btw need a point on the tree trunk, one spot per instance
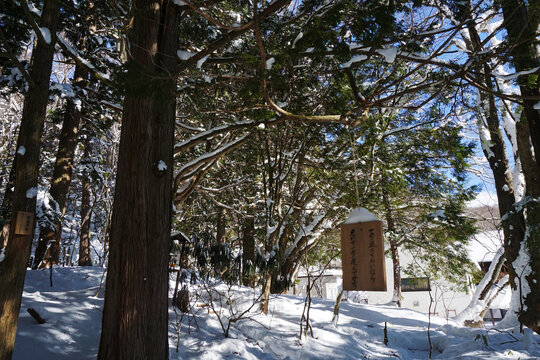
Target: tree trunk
(62, 173)
(220, 227)
(396, 272)
(484, 294)
(248, 252)
(135, 313)
(6, 205)
(86, 214)
(13, 268)
(396, 266)
(531, 172)
(266, 294)
(495, 152)
(521, 23)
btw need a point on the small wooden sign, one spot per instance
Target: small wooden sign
(25, 223)
(362, 255)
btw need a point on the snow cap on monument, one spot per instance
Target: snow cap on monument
(359, 215)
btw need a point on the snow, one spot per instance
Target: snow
(355, 59)
(33, 9)
(297, 38)
(269, 63)
(76, 54)
(66, 90)
(73, 313)
(46, 33)
(31, 193)
(477, 305)
(360, 214)
(483, 132)
(184, 55)
(483, 246)
(179, 2)
(484, 198)
(389, 54)
(201, 62)
(162, 166)
(515, 75)
(21, 150)
(536, 106)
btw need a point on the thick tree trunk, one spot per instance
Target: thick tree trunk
(62, 173)
(86, 214)
(530, 316)
(13, 268)
(135, 312)
(521, 22)
(495, 152)
(248, 252)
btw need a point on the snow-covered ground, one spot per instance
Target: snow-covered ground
(73, 313)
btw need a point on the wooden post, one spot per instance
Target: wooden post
(362, 252)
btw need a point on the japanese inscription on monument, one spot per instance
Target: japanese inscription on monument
(362, 252)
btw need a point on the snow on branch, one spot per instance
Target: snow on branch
(211, 155)
(209, 134)
(74, 54)
(308, 234)
(41, 35)
(232, 34)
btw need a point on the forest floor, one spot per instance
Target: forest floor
(72, 310)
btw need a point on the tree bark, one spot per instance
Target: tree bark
(13, 268)
(531, 172)
(86, 214)
(396, 266)
(495, 152)
(6, 205)
(220, 227)
(521, 23)
(62, 173)
(135, 313)
(248, 251)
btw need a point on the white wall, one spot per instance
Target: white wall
(446, 301)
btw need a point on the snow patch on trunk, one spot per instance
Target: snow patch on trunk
(31, 193)
(46, 33)
(523, 269)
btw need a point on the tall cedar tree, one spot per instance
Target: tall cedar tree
(135, 311)
(13, 268)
